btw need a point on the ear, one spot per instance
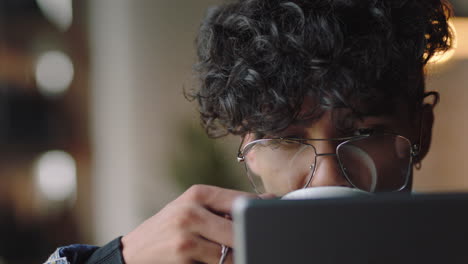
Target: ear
(247, 138)
(425, 131)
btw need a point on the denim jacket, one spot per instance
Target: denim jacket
(85, 254)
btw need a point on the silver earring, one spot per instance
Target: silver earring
(417, 165)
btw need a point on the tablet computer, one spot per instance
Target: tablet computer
(391, 228)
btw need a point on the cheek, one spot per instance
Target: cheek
(280, 176)
(265, 165)
(402, 148)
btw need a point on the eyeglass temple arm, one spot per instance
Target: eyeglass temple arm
(240, 157)
(416, 148)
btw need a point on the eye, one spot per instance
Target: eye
(364, 131)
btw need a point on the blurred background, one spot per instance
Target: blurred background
(95, 132)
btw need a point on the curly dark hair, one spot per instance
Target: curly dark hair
(259, 59)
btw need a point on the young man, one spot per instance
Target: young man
(322, 93)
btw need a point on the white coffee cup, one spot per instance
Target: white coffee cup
(324, 192)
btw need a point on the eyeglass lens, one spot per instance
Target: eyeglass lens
(279, 166)
(375, 164)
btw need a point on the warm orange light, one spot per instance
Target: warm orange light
(443, 57)
(459, 48)
(461, 25)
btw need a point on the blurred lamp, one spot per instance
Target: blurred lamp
(443, 57)
(461, 37)
(55, 175)
(58, 12)
(54, 73)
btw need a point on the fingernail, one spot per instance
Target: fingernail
(265, 196)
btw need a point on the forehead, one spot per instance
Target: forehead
(343, 121)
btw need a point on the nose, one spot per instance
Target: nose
(328, 172)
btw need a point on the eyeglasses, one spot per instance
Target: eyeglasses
(372, 163)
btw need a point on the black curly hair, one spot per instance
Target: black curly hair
(259, 59)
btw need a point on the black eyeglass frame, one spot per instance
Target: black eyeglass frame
(414, 152)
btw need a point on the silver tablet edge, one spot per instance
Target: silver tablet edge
(238, 212)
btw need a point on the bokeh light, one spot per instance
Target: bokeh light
(55, 175)
(59, 12)
(443, 57)
(54, 73)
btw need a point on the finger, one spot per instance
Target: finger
(207, 251)
(214, 227)
(196, 219)
(266, 196)
(215, 198)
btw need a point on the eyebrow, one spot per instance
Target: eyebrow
(298, 128)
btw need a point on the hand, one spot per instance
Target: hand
(189, 229)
